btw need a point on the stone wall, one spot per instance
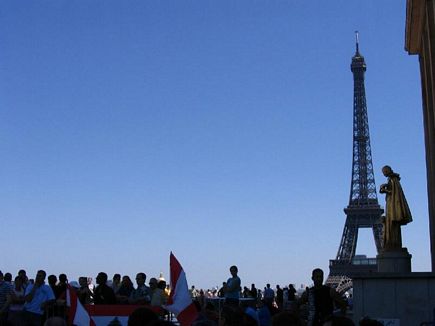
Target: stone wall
(408, 297)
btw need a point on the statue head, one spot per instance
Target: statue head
(387, 170)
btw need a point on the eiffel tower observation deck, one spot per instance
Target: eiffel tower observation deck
(363, 210)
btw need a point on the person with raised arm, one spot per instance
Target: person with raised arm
(38, 296)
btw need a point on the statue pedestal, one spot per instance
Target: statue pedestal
(394, 298)
(394, 295)
(394, 261)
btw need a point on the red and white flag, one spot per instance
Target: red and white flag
(77, 313)
(99, 315)
(179, 302)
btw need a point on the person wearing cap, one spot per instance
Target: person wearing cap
(6, 291)
(37, 297)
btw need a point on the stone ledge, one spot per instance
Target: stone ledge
(412, 275)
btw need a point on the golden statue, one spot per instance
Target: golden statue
(397, 212)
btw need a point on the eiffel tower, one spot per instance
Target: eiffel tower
(363, 210)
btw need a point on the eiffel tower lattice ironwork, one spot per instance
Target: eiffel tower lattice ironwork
(363, 210)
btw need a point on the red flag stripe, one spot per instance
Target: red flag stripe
(175, 267)
(188, 315)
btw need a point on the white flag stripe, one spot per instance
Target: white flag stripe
(81, 317)
(181, 296)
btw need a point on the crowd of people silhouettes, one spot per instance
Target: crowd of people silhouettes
(32, 302)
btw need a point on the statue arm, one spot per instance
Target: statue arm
(385, 189)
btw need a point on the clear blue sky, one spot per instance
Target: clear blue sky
(220, 130)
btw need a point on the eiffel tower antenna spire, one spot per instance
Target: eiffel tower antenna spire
(357, 42)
